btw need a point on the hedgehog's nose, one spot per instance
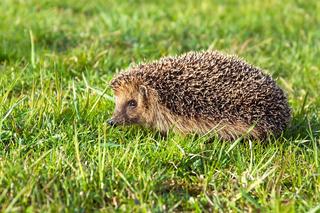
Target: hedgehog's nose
(111, 122)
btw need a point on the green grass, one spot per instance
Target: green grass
(58, 154)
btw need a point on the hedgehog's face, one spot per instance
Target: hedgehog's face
(130, 106)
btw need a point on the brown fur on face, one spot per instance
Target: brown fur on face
(128, 113)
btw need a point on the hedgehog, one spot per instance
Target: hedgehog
(205, 92)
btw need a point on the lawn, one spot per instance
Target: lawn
(57, 153)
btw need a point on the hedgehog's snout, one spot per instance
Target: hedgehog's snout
(111, 122)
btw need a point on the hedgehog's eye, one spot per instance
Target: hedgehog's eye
(132, 103)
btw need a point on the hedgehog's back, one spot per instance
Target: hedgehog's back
(214, 86)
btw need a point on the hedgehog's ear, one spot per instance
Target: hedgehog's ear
(143, 91)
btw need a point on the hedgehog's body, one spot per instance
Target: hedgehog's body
(201, 92)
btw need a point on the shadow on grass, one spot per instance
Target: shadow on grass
(303, 126)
